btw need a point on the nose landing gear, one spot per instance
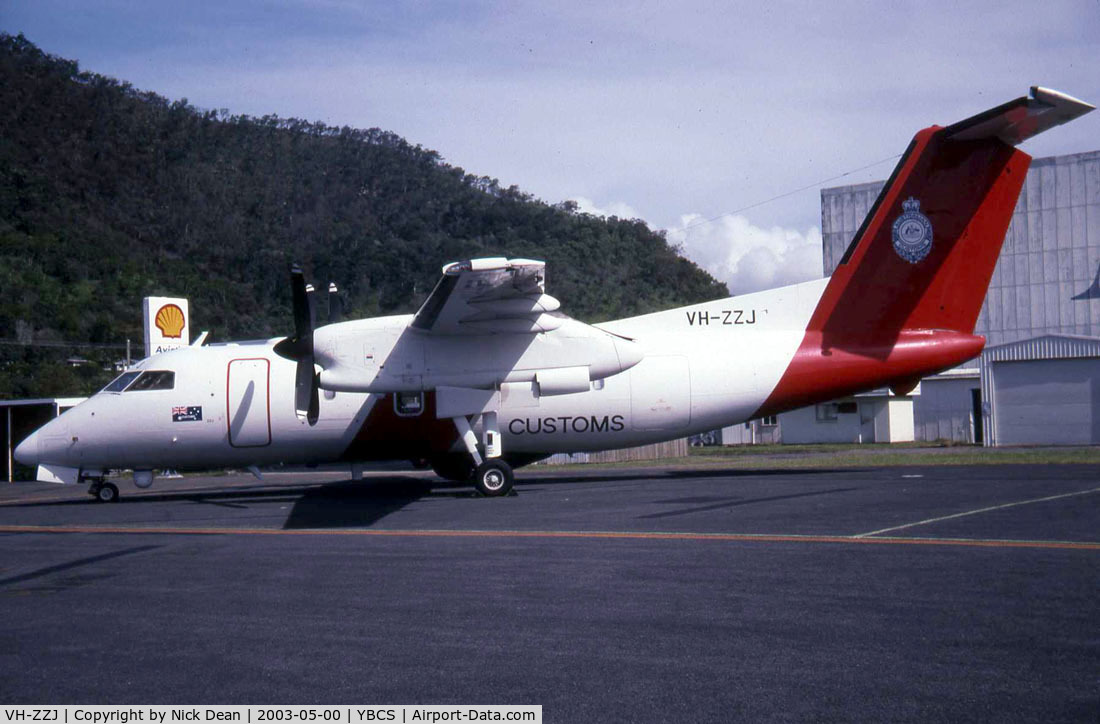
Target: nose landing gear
(102, 491)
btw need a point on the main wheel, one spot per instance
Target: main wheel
(107, 493)
(453, 467)
(493, 478)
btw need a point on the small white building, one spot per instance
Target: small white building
(761, 431)
(876, 416)
(950, 407)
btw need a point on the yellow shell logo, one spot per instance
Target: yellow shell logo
(169, 321)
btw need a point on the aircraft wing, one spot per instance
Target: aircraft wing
(490, 296)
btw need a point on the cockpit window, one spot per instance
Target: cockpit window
(153, 380)
(138, 380)
(119, 383)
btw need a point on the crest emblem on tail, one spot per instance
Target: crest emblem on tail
(912, 232)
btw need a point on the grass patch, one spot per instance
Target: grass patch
(780, 457)
(889, 455)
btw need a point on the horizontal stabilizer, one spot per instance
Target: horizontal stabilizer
(1016, 121)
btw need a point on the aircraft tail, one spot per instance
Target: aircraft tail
(906, 295)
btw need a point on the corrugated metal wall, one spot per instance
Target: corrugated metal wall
(944, 409)
(1042, 391)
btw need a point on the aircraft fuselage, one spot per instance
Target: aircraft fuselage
(233, 404)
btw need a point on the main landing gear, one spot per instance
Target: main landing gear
(491, 476)
(494, 477)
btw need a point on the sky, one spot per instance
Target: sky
(694, 116)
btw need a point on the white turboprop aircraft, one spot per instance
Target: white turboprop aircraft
(489, 374)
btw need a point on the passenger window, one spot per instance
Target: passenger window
(154, 380)
(119, 383)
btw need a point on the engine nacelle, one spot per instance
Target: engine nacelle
(380, 356)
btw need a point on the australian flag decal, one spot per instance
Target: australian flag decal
(187, 414)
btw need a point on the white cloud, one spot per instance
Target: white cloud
(746, 257)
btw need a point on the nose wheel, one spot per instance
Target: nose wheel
(104, 492)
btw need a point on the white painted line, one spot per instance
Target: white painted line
(976, 512)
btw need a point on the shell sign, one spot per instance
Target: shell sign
(170, 321)
(167, 325)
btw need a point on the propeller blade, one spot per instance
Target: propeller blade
(311, 295)
(307, 401)
(314, 402)
(301, 344)
(303, 325)
(335, 304)
(303, 386)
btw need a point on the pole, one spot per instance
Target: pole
(11, 462)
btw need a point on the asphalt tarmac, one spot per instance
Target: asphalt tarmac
(889, 594)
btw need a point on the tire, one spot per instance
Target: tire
(453, 467)
(494, 478)
(107, 493)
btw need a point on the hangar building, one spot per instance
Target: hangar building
(1038, 380)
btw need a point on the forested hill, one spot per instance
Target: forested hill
(109, 194)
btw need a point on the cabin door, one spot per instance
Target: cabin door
(248, 405)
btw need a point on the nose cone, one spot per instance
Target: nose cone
(50, 444)
(26, 452)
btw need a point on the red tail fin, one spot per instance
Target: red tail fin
(926, 251)
(905, 297)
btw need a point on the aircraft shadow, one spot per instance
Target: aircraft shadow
(705, 504)
(361, 504)
(238, 496)
(352, 504)
(349, 504)
(213, 496)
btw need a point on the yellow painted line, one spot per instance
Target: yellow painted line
(558, 534)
